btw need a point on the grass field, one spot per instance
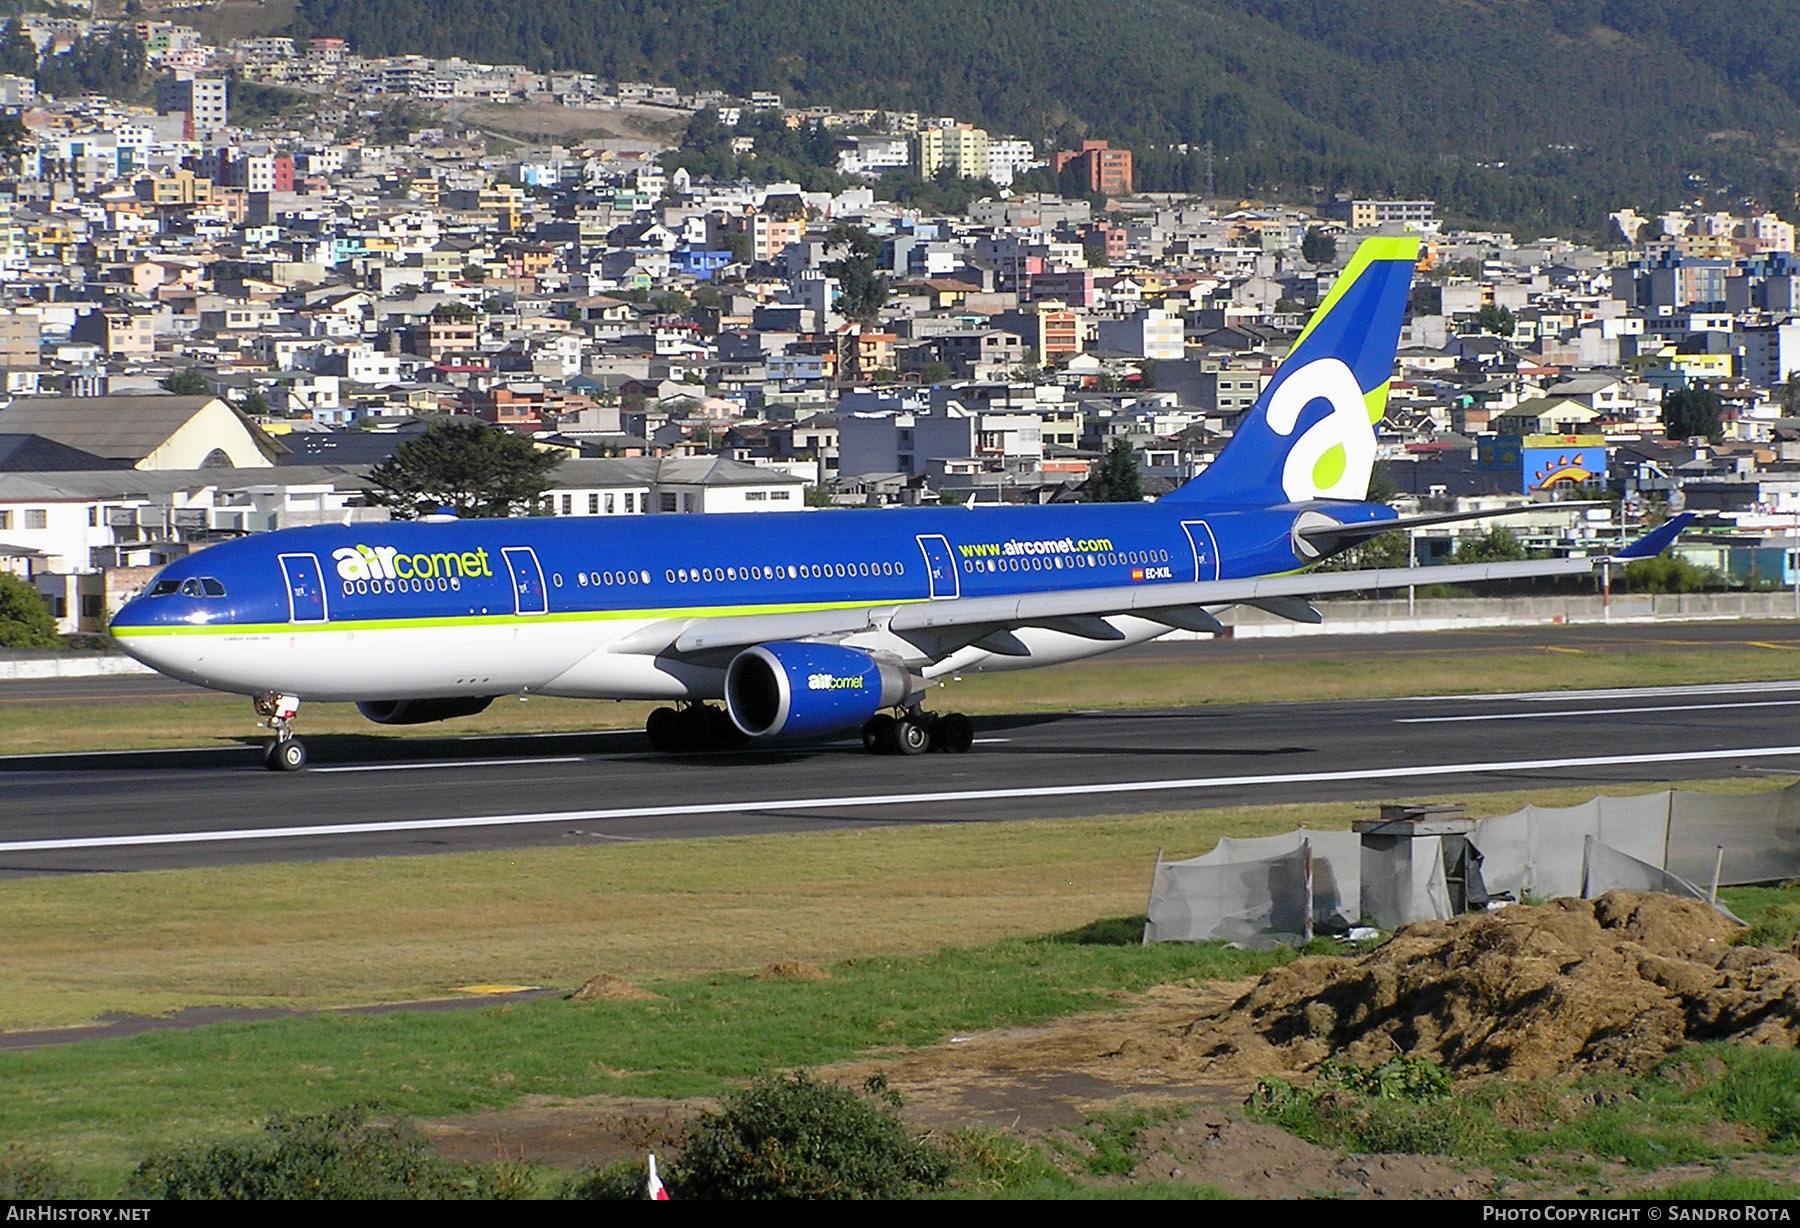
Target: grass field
(46, 726)
(341, 933)
(928, 929)
(98, 1107)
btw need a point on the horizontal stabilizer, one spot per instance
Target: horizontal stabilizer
(1658, 539)
(1329, 538)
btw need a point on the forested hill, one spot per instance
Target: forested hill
(1541, 113)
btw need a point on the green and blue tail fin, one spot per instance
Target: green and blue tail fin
(1311, 435)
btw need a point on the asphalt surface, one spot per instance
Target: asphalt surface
(370, 797)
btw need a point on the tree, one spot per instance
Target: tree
(1492, 318)
(1688, 413)
(14, 139)
(255, 404)
(474, 469)
(188, 383)
(1317, 247)
(18, 54)
(1116, 480)
(863, 290)
(25, 621)
(1494, 546)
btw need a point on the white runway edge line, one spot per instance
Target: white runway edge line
(888, 799)
(1625, 692)
(1550, 716)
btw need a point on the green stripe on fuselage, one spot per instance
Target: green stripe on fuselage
(506, 619)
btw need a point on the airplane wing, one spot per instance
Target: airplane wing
(940, 627)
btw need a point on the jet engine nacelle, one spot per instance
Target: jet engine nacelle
(420, 711)
(797, 690)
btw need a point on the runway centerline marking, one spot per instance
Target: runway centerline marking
(1547, 716)
(874, 801)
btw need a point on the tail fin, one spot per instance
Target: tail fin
(1311, 434)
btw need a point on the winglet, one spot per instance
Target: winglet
(1657, 540)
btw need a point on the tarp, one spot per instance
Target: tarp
(1337, 872)
(1608, 869)
(1536, 852)
(1257, 903)
(1760, 833)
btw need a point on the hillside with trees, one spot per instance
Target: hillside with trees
(1544, 114)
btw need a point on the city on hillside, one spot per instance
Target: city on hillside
(234, 278)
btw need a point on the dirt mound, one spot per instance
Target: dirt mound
(1613, 983)
(793, 970)
(609, 988)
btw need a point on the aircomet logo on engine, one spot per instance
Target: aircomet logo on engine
(831, 682)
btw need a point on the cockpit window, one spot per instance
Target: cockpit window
(190, 588)
(212, 587)
(163, 588)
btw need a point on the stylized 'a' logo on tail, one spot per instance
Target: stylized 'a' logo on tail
(1311, 434)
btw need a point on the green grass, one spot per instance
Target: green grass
(1201, 674)
(1682, 1112)
(98, 1106)
(1724, 1188)
(340, 933)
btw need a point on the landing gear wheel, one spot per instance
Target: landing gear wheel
(662, 729)
(878, 734)
(912, 736)
(286, 755)
(721, 731)
(691, 728)
(955, 733)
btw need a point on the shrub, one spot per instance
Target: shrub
(330, 1155)
(27, 1177)
(790, 1136)
(25, 621)
(620, 1181)
(1404, 1105)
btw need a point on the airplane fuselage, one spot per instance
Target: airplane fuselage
(379, 611)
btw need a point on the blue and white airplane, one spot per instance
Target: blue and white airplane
(810, 623)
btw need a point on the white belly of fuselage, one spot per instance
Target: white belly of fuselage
(426, 662)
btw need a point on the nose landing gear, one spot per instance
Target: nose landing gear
(283, 752)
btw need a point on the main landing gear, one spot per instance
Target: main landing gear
(916, 732)
(693, 726)
(283, 752)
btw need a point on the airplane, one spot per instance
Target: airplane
(811, 624)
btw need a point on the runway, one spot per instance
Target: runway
(164, 809)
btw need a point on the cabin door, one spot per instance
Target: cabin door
(1206, 550)
(527, 580)
(306, 588)
(940, 567)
